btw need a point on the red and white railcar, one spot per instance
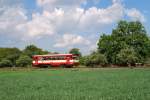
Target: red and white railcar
(55, 60)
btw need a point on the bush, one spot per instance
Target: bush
(6, 63)
(94, 59)
(127, 57)
(87, 61)
(82, 60)
(98, 59)
(24, 61)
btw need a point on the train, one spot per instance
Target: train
(55, 60)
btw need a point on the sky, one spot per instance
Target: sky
(59, 25)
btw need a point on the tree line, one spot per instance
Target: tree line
(14, 57)
(127, 45)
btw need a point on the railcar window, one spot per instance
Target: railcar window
(76, 57)
(52, 58)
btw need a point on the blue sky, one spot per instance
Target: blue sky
(59, 25)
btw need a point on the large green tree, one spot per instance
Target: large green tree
(31, 50)
(127, 34)
(11, 54)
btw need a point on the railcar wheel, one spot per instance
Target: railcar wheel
(69, 66)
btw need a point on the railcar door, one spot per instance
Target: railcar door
(67, 60)
(36, 60)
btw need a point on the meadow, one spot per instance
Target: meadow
(75, 84)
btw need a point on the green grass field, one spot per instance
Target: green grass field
(75, 84)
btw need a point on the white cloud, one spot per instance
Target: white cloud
(81, 19)
(135, 14)
(74, 20)
(95, 18)
(60, 20)
(71, 39)
(58, 2)
(39, 25)
(10, 18)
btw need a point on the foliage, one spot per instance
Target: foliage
(85, 60)
(75, 51)
(127, 57)
(33, 50)
(6, 63)
(23, 61)
(97, 59)
(11, 54)
(127, 34)
(147, 61)
(94, 59)
(82, 60)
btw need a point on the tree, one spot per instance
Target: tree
(108, 47)
(127, 34)
(6, 63)
(24, 61)
(75, 51)
(33, 50)
(11, 54)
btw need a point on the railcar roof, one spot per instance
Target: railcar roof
(53, 55)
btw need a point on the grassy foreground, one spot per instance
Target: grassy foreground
(75, 84)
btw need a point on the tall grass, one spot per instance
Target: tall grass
(75, 84)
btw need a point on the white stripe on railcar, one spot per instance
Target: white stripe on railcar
(51, 61)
